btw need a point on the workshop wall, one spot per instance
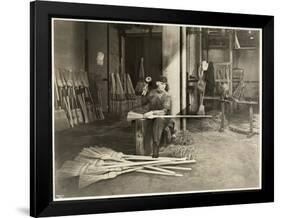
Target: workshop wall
(97, 42)
(113, 50)
(248, 60)
(69, 46)
(97, 34)
(218, 55)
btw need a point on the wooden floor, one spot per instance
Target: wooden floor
(225, 160)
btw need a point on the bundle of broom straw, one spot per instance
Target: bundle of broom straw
(61, 118)
(95, 101)
(128, 88)
(117, 95)
(94, 164)
(74, 97)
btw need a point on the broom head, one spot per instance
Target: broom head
(134, 116)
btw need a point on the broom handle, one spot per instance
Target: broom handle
(83, 106)
(138, 164)
(74, 97)
(180, 116)
(69, 110)
(89, 93)
(84, 102)
(141, 170)
(158, 173)
(107, 157)
(57, 93)
(148, 167)
(140, 117)
(140, 157)
(176, 163)
(176, 168)
(159, 169)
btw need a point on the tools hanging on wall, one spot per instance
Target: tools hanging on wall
(74, 104)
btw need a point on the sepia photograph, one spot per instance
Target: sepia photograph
(142, 109)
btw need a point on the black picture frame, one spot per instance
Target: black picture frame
(41, 195)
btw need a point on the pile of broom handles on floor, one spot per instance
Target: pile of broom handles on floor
(72, 94)
(94, 164)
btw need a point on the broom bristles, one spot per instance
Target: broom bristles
(134, 116)
(73, 168)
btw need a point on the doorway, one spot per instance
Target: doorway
(148, 46)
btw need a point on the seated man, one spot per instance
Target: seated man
(156, 102)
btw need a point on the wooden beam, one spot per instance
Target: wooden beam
(183, 76)
(230, 60)
(171, 65)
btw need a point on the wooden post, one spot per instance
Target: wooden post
(109, 109)
(183, 75)
(251, 113)
(200, 45)
(231, 62)
(171, 66)
(230, 67)
(139, 131)
(222, 116)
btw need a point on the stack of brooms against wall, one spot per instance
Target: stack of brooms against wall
(61, 119)
(75, 104)
(93, 104)
(64, 87)
(131, 93)
(123, 80)
(128, 88)
(75, 109)
(122, 93)
(99, 163)
(119, 95)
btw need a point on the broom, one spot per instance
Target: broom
(61, 121)
(120, 97)
(91, 169)
(108, 154)
(71, 97)
(72, 168)
(137, 116)
(131, 91)
(76, 106)
(86, 180)
(97, 101)
(88, 97)
(66, 97)
(81, 99)
(124, 78)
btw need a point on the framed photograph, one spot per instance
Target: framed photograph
(141, 109)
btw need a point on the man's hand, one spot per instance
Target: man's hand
(148, 115)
